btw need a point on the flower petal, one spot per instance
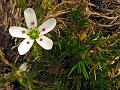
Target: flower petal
(19, 32)
(25, 46)
(45, 42)
(23, 67)
(47, 26)
(30, 18)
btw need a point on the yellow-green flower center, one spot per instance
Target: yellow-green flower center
(34, 33)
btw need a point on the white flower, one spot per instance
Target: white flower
(33, 33)
(23, 67)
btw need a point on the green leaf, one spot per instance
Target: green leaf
(21, 4)
(84, 71)
(73, 68)
(60, 85)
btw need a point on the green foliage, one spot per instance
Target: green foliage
(78, 18)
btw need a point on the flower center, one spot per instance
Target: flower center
(34, 33)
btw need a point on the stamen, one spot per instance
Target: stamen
(33, 34)
(41, 39)
(28, 42)
(43, 29)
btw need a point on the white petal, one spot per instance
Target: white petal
(47, 26)
(19, 32)
(45, 42)
(25, 46)
(23, 67)
(30, 18)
